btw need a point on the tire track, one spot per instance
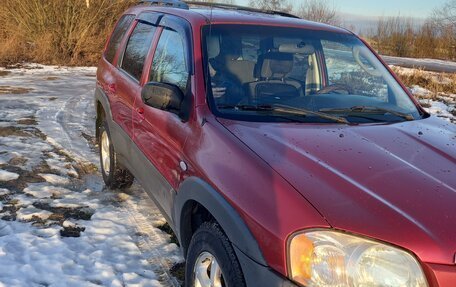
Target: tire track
(152, 243)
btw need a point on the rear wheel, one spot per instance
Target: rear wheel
(211, 260)
(114, 175)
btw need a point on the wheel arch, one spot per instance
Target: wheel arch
(196, 198)
(103, 109)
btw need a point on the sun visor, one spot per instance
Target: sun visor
(297, 48)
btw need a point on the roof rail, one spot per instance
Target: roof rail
(165, 3)
(241, 8)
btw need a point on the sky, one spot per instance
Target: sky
(408, 8)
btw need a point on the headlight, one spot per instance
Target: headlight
(335, 259)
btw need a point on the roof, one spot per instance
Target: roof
(217, 16)
(238, 16)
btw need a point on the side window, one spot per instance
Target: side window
(169, 65)
(117, 36)
(137, 48)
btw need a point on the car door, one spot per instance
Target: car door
(131, 66)
(108, 73)
(160, 134)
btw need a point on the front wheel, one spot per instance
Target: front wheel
(114, 175)
(211, 260)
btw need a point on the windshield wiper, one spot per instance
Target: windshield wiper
(368, 110)
(284, 109)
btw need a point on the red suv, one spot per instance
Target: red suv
(282, 152)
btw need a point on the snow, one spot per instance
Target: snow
(442, 105)
(59, 225)
(7, 176)
(441, 110)
(55, 179)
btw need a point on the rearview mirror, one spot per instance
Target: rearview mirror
(162, 96)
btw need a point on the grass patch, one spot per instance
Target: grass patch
(28, 121)
(437, 83)
(8, 90)
(82, 213)
(13, 131)
(52, 78)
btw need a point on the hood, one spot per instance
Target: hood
(395, 182)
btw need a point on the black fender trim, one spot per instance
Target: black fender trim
(195, 189)
(120, 139)
(101, 97)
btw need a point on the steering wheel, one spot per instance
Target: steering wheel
(357, 53)
(335, 87)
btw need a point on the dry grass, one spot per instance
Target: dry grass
(7, 90)
(437, 83)
(65, 32)
(403, 37)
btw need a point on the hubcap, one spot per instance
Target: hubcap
(105, 155)
(207, 271)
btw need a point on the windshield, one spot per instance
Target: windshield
(254, 70)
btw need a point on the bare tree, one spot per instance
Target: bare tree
(276, 5)
(445, 15)
(319, 11)
(444, 19)
(395, 36)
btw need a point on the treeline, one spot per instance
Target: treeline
(395, 36)
(402, 37)
(73, 32)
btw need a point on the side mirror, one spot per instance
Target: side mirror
(163, 96)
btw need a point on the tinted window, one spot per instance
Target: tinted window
(169, 65)
(117, 36)
(137, 48)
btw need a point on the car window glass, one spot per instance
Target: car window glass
(344, 69)
(250, 48)
(117, 36)
(169, 65)
(137, 49)
(318, 71)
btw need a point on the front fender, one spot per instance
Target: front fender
(195, 189)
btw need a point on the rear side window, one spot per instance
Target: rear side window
(117, 36)
(137, 48)
(169, 65)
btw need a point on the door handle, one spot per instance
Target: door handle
(140, 112)
(112, 88)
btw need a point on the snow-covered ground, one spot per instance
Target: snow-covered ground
(433, 65)
(59, 225)
(440, 104)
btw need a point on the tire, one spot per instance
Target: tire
(210, 241)
(114, 176)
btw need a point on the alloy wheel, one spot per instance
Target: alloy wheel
(105, 153)
(207, 271)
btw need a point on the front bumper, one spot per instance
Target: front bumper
(441, 275)
(258, 275)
